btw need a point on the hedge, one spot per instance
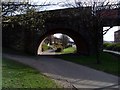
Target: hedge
(112, 46)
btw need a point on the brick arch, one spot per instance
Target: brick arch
(81, 43)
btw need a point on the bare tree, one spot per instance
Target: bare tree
(18, 7)
(64, 40)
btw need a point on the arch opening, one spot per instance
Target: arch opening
(56, 44)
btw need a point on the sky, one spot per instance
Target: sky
(109, 36)
(62, 2)
(59, 34)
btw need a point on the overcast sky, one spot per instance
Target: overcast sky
(61, 2)
(71, 0)
(109, 36)
(56, 1)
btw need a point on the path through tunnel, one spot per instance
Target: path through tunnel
(80, 42)
(57, 44)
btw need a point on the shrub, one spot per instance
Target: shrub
(105, 45)
(58, 50)
(117, 47)
(112, 46)
(68, 46)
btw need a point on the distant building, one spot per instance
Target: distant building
(117, 36)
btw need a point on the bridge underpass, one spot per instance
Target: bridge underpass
(86, 33)
(81, 44)
(28, 40)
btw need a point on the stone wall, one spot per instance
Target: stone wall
(13, 37)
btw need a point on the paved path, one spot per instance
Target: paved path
(48, 52)
(110, 51)
(70, 74)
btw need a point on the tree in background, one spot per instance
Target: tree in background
(64, 40)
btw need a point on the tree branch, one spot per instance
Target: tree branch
(105, 31)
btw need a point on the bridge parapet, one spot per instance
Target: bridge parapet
(109, 14)
(69, 12)
(114, 13)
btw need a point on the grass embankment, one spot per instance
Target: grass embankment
(69, 50)
(109, 63)
(17, 75)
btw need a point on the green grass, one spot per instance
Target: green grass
(109, 63)
(69, 50)
(45, 47)
(17, 75)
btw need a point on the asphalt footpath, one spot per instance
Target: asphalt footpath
(68, 74)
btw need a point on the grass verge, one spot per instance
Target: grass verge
(45, 47)
(17, 75)
(109, 63)
(69, 50)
